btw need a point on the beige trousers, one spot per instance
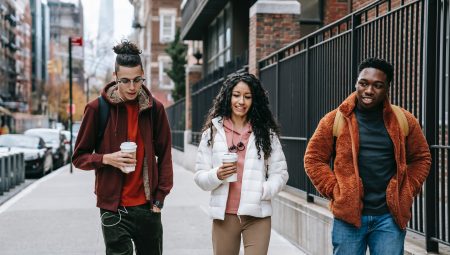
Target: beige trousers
(226, 235)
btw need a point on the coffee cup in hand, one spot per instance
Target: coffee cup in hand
(230, 158)
(129, 147)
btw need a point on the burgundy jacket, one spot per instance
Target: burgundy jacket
(157, 172)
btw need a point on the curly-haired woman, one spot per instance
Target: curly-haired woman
(241, 122)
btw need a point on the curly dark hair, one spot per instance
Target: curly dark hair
(379, 64)
(259, 115)
(127, 55)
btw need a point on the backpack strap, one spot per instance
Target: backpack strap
(401, 118)
(103, 110)
(338, 123)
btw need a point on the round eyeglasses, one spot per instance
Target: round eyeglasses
(136, 81)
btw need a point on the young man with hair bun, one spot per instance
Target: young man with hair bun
(130, 202)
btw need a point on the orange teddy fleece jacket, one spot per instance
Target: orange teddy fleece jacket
(343, 186)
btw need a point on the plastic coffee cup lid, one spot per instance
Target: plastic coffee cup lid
(231, 157)
(128, 146)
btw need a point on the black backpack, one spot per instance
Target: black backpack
(103, 107)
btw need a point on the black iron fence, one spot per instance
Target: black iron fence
(177, 120)
(311, 77)
(437, 100)
(204, 92)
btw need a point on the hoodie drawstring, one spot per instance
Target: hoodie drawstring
(117, 120)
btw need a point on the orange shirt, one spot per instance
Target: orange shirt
(133, 189)
(234, 194)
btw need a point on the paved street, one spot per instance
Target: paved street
(57, 215)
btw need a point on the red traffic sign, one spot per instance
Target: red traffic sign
(77, 41)
(68, 109)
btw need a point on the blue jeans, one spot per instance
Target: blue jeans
(380, 233)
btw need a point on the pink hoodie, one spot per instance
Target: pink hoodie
(234, 194)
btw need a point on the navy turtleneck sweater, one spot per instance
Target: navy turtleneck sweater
(376, 159)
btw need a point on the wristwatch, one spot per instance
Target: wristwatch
(158, 204)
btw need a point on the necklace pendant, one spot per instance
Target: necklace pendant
(232, 148)
(240, 146)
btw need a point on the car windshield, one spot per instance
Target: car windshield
(66, 134)
(48, 136)
(22, 141)
(76, 127)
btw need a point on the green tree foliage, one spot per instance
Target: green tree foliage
(177, 51)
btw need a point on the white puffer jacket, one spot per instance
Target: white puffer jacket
(256, 191)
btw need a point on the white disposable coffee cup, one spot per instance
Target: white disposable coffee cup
(230, 158)
(129, 147)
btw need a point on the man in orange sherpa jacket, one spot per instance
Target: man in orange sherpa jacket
(377, 170)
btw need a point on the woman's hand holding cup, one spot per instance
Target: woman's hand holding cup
(228, 170)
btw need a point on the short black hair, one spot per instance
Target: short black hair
(379, 64)
(127, 55)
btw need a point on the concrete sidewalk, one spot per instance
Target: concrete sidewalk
(57, 215)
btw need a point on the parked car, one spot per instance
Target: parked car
(38, 157)
(67, 140)
(75, 128)
(55, 139)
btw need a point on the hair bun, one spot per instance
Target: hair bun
(126, 47)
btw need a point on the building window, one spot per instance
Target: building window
(219, 41)
(167, 20)
(165, 82)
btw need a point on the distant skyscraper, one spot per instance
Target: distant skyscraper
(105, 41)
(40, 45)
(106, 20)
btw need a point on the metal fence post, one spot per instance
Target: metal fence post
(309, 196)
(7, 172)
(22, 167)
(12, 171)
(355, 48)
(16, 169)
(2, 174)
(277, 84)
(431, 108)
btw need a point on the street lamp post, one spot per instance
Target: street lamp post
(76, 41)
(70, 101)
(87, 89)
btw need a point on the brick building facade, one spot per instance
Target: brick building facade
(23, 55)
(155, 24)
(15, 55)
(8, 48)
(335, 9)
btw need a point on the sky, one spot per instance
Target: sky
(123, 13)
